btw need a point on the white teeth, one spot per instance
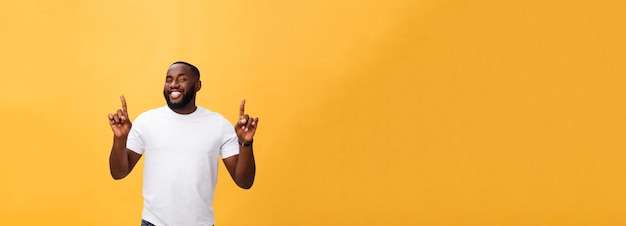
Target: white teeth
(175, 94)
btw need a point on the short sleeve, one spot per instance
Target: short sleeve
(135, 140)
(230, 145)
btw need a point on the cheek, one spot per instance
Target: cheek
(189, 87)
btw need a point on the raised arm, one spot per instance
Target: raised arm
(242, 167)
(122, 160)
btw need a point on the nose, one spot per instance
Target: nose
(174, 84)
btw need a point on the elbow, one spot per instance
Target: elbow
(118, 176)
(118, 173)
(245, 181)
(246, 185)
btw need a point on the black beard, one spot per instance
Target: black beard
(187, 97)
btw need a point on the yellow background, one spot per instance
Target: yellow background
(376, 112)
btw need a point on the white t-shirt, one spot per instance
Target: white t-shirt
(180, 163)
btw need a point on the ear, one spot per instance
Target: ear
(198, 85)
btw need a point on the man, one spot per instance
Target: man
(182, 143)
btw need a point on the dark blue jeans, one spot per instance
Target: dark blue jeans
(146, 223)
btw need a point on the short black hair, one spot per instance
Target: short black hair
(194, 69)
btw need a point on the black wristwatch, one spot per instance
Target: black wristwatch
(247, 144)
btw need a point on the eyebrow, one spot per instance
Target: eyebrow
(181, 74)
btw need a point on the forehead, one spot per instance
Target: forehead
(179, 69)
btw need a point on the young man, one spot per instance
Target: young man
(182, 143)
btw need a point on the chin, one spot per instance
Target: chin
(179, 103)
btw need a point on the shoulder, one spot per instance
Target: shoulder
(208, 113)
(211, 115)
(151, 114)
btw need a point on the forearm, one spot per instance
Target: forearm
(246, 168)
(118, 161)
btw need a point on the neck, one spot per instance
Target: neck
(186, 110)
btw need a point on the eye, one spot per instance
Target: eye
(183, 79)
(168, 80)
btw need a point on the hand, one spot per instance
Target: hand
(120, 123)
(246, 125)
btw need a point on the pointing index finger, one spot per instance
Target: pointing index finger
(242, 107)
(124, 108)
